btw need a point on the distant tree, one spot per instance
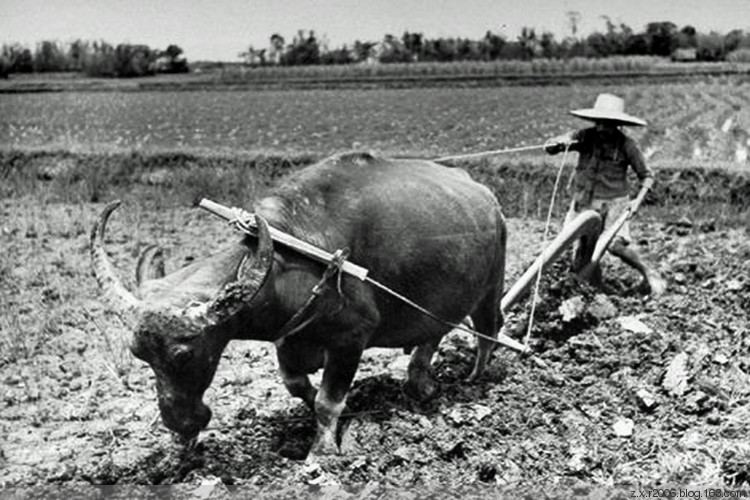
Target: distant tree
(658, 38)
(662, 38)
(445, 49)
(618, 36)
(414, 44)
(469, 50)
(20, 58)
(76, 54)
(550, 49)
(529, 43)
(304, 50)
(133, 60)
(49, 57)
(637, 44)
(175, 63)
(491, 46)
(100, 61)
(341, 55)
(515, 50)
(687, 37)
(597, 45)
(392, 50)
(613, 42)
(364, 51)
(571, 47)
(710, 47)
(276, 50)
(733, 40)
(5, 67)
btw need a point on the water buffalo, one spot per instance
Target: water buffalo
(427, 231)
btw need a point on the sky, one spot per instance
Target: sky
(219, 30)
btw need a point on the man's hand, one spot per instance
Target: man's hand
(559, 143)
(635, 204)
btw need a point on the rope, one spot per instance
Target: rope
(502, 340)
(295, 323)
(489, 153)
(535, 296)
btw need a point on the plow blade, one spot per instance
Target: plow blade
(587, 222)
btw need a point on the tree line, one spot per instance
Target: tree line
(97, 58)
(665, 39)
(657, 39)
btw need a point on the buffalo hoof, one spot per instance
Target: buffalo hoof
(315, 473)
(323, 446)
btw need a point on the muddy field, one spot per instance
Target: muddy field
(632, 391)
(635, 390)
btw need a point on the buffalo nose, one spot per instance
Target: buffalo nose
(184, 420)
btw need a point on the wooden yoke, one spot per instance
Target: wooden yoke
(247, 220)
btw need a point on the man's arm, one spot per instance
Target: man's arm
(644, 173)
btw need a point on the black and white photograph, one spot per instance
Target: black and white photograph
(386, 249)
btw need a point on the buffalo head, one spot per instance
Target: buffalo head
(184, 320)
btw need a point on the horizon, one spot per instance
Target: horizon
(221, 30)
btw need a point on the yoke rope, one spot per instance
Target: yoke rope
(507, 342)
(489, 153)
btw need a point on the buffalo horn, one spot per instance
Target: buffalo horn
(261, 264)
(103, 270)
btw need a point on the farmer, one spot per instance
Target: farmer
(601, 183)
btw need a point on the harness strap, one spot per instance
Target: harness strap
(296, 323)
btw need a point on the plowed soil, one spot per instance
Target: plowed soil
(633, 389)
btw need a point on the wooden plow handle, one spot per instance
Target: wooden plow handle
(585, 223)
(607, 236)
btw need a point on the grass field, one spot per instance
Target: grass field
(706, 122)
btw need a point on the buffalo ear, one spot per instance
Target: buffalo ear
(252, 274)
(255, 269)
(150, 264)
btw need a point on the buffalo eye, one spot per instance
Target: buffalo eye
(182, 354)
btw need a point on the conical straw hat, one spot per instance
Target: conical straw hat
(611, 108)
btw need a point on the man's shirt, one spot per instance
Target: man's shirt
(602, 170)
